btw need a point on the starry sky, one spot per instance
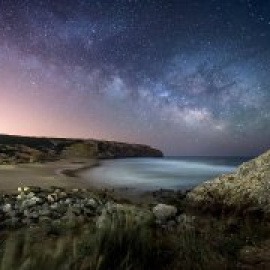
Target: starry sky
(187, 76)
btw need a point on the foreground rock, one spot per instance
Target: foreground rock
(164, 211)
(246, 191)
(169, 218)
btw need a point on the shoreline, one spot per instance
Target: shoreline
(69, 174)
(64, 173)
(74, 172)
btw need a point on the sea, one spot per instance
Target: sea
(148, 174)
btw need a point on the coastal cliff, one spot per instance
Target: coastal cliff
(20, 149)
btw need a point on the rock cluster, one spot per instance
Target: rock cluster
(246, 190)
(32, 205)
(168, 217)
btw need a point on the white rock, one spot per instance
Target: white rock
(32, 202)
(92, 202)
(50, 198)
(30, 195)
(164, 211)
(68, 201)
(7, 207)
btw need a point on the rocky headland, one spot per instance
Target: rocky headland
(20, 149)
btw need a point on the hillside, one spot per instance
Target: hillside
(20, 149)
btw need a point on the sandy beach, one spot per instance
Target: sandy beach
(66, 173)
(62, 173)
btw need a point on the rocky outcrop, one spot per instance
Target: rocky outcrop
(246, 191)
(19, 149)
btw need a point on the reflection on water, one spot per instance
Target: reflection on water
(155, 173)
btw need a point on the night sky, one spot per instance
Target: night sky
(188, 77)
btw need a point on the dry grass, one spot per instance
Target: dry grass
(125, 244)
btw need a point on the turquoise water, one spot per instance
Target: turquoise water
(155, 173)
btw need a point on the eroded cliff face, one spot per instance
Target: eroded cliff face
(19, 149)
(247, 188)
(106, 149)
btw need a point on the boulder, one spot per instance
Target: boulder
(164, 211)
(91, 203)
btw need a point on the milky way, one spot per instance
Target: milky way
(189, 77)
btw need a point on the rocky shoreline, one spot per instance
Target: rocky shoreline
(31, 206)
